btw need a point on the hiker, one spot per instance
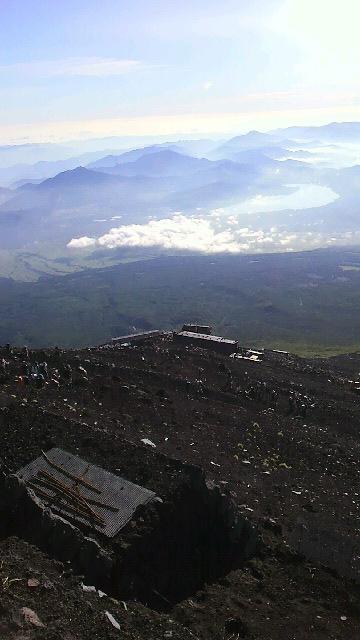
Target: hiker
(57, 353)
(35, 369)
(292, 404)
(3, 371)
(8, 349)
(79, 375)
(55, 379)
(259, 391)
(43, 369)
(251, 392)
(67, 373)
(274, 397)
(25, 368)
(40, 380)
(26, 353)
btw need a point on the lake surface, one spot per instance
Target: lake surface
(304, 196)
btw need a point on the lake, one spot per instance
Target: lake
(303, 196)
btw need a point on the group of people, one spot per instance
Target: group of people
(20, 366)
(257, 391)
(298, 404)
(33, 372)
(261, 392)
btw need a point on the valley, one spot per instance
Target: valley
(249, 194)
(305, 302)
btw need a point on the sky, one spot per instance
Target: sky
(83, 68)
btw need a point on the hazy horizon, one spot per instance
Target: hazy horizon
(137, 140)
(147, 68)
(84, 85)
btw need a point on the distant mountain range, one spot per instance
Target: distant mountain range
(249, 141)
(134, 187)
(333, 132)
(12, 175)
(52, 202)
(5, 194)
(160, 163)
(32, 152)
(36, 161)
(77, 188)
(129, 156)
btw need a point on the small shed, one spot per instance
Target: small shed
(137, 338)
(198, 328)
(204, 341)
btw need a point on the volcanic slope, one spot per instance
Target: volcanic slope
(291, 469)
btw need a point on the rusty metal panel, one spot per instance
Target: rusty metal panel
(119, 496)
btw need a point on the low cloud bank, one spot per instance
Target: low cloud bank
(179, 232)
(209, 236)
(82, 243)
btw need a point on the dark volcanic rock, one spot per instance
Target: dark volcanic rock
(291, 470)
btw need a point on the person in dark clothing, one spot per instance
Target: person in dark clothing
(292, 404)
(274, 397)
(43, 369)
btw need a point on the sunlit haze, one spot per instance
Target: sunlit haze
(82, 69)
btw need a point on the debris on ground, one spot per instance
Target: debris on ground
(278, 438)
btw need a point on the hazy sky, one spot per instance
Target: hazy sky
(103, 67)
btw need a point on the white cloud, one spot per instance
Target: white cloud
(209, 236)
(81, 243)
(92, 66)
(178, 232)
(207, 85)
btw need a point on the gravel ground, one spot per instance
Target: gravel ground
(292, 473)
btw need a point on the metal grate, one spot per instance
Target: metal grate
(112, 499)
